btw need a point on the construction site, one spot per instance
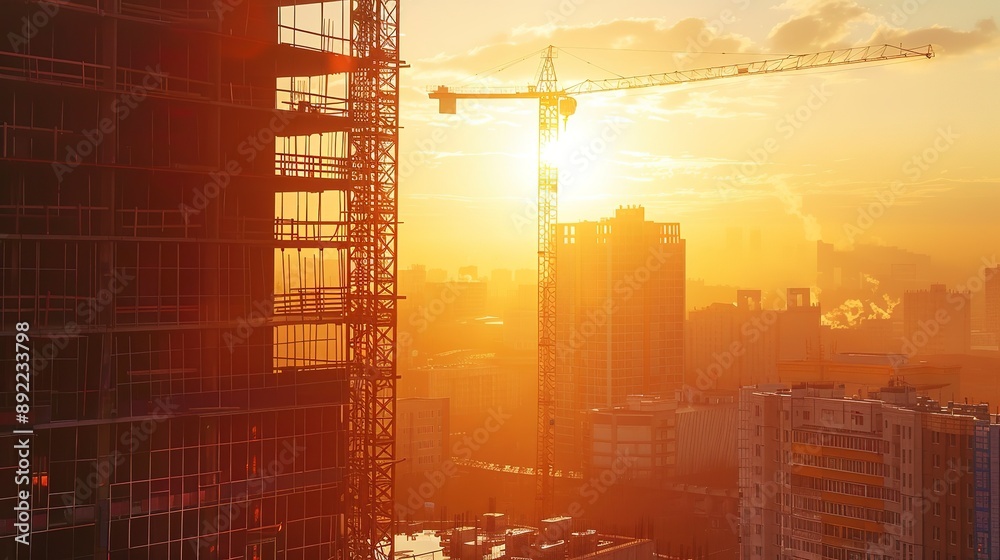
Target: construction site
(198, 234)
(198, 209)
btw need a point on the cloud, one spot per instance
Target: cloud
(691, 39)
(827, 24)
(821, 26)
(983, 35)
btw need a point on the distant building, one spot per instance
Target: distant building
(421, 435)
(731, 345)
(992, 303)
(706, 436)
(937, 321)
(642, 435)
(799, 327)
(468, 273)
(620, 318)
(872, 336)
(728, 346)
(862, 373)
(520, 320)
(824, 476)
(867, 273)
(474, 384)
(661, 439)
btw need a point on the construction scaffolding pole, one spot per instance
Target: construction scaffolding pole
(372, 213)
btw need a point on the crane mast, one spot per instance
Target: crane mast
(554, 103)
(548, 193)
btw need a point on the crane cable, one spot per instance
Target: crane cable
(592, 64)
(676, 52)
(501, 67)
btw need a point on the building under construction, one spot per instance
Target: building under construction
(198, 227)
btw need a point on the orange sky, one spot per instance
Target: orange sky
(686, 153)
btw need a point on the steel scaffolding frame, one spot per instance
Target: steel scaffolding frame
(371, 300)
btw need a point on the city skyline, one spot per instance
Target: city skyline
(665, 150)
(547, 279)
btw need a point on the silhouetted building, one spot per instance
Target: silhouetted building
(872, 336)
(727, 344)
(731, 345)
(936, 321)
(992, 304)
(799, 327)
(865, 275)
(620, 318)
(474, 384)
(189, 396)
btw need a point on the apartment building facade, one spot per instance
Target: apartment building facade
(826, 476)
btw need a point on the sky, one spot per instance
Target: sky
(894, 153)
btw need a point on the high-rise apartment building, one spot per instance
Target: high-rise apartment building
(824, 476)
(937, 321)
(619, 317)
(197, 236)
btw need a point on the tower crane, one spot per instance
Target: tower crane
(555, 102)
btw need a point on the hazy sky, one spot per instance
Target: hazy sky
(840, 137)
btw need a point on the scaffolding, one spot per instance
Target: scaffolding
(199, 207)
